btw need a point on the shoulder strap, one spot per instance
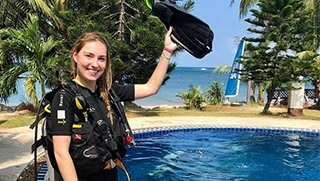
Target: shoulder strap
(43, 111)
(89, 100)
(114, 98)
(45, 100)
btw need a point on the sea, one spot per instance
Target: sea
(180, 81)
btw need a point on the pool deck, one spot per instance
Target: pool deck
(258, 122)
(15, 143)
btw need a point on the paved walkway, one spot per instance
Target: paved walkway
(15, 151)
(15, 143)
(149, 122)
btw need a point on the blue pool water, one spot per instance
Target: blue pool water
(225, 154)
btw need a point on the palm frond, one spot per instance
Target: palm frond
(13, 13)
(245, 5)
(223, 69)
(30, 86)
(311, 4)
(189, 5)
(61, 4)
(47, 9)
(8, 80)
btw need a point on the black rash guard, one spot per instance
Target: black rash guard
(63, 109)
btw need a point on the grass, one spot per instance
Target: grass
(228, 111)
(11, 120)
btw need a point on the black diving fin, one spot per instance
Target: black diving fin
(189, 32)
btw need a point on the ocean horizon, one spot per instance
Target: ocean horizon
(180, 80)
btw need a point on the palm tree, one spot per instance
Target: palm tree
(25, 52)
(215, 94)
(14, 13)
(193, 98)
(245, 6)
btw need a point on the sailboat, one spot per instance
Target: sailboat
(232, 89)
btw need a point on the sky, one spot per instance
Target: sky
(224, 20)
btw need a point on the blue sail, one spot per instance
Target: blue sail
(232, 89)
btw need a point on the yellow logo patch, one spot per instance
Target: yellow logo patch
(63, 122)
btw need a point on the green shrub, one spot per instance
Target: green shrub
(193, 98)
(215, 94)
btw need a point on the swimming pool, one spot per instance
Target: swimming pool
(224, 154)
(219, 153)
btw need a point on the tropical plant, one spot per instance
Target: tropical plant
(13, 13)
(25, 52)
(214, 95)
(193, 98)
(223, 69)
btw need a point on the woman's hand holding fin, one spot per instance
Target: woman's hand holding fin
(169, 45)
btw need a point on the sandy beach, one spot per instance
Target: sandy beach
(15, 143)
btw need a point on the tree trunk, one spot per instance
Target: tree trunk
(251, 92)
(270, 92)
(43, 88)
(121, 21)
(260, 95)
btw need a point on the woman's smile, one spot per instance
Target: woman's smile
(91, 62)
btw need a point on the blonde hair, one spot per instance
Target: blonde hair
(104, 82)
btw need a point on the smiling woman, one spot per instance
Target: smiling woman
(91, 61)
(87, 131)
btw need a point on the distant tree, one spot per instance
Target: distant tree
(138, 41)
(312, 7)
(272, 58)
(223, 69)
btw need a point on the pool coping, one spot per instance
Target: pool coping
(224, 126)
(139, 123)
(282, 130)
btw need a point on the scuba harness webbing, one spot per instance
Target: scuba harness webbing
(85, 102)
(104, 129)
(115, 100)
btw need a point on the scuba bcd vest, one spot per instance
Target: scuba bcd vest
(95, 143)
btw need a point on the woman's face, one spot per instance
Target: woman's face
(91, 61)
